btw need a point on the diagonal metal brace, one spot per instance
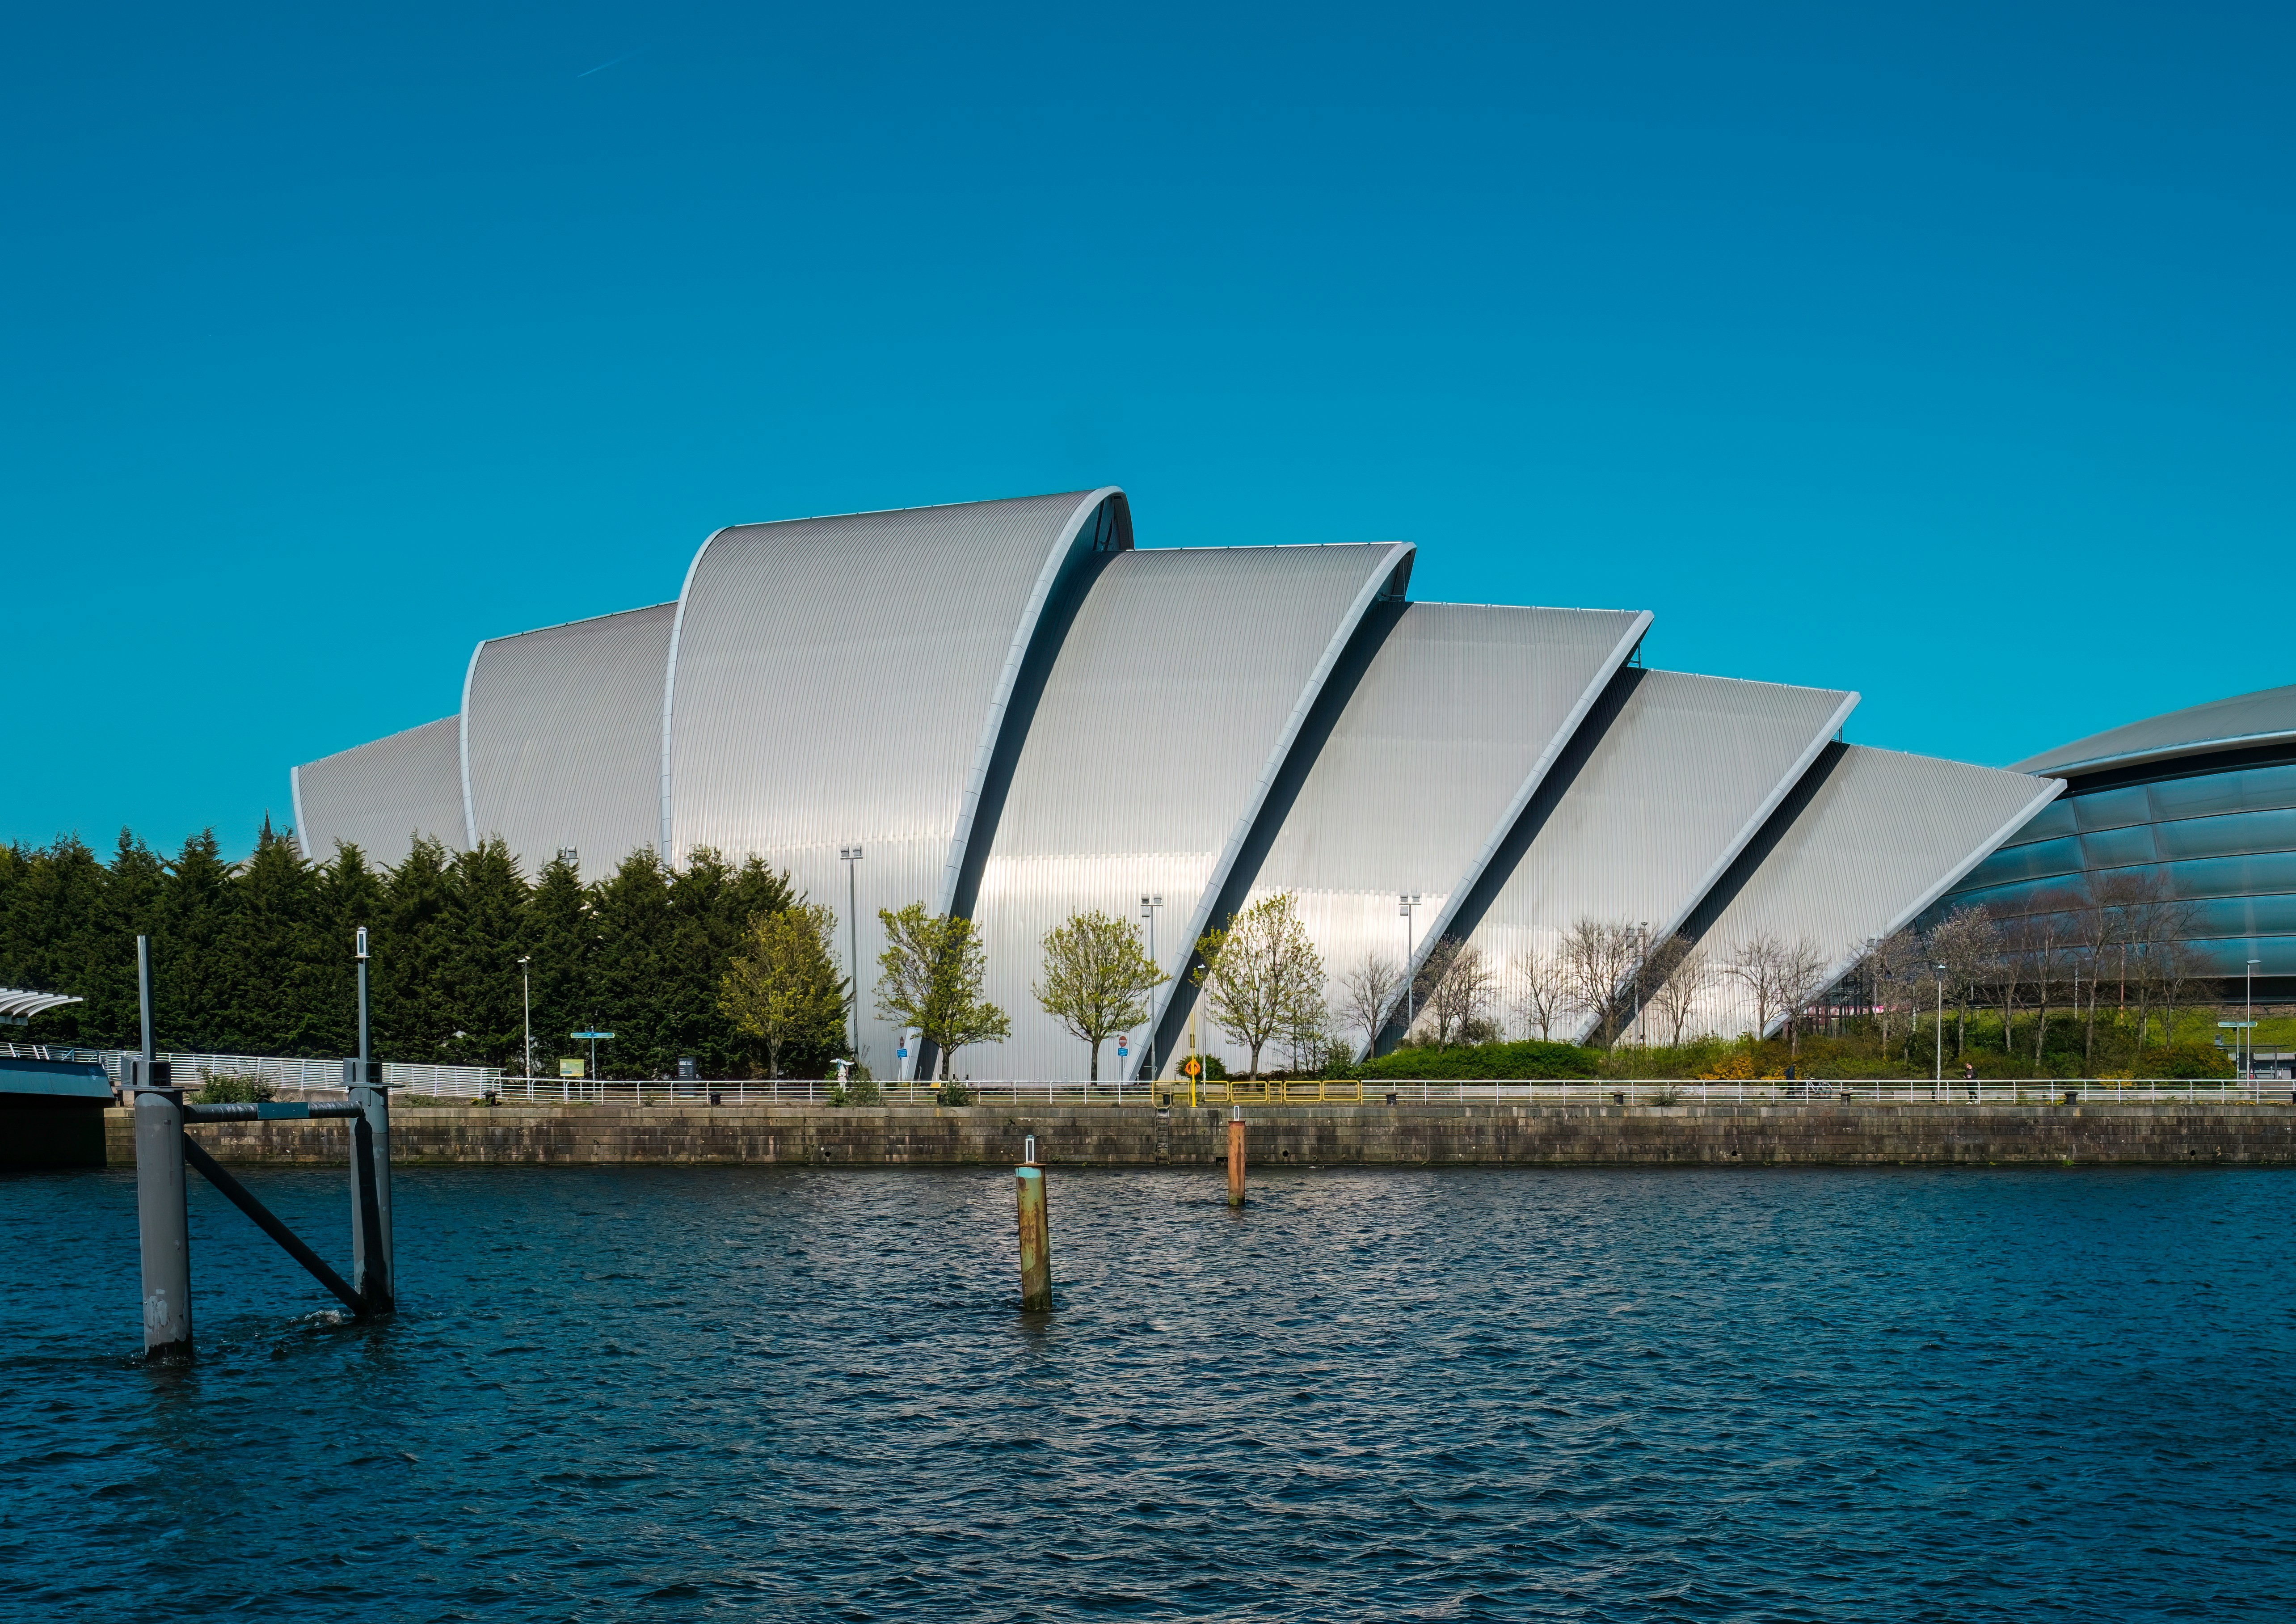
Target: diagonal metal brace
(241, 1197)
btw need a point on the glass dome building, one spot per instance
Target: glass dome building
(2203, 801)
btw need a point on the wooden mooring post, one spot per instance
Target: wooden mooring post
(1235, 1155)
(1036, 1233)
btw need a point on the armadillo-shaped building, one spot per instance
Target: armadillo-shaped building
(1013, 713)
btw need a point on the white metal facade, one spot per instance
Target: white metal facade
(1167, 712)
(1675, 775)
(1013, 714)
(378, 797)
(1867, 841)
(562, 739)
(1458, 717)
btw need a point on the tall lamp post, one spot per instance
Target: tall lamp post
(1938, 1076)
(526, 999)
(1150, 902)
(849, 856)
(2249, 1031)
(1406, 901)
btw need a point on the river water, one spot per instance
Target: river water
(1585, 1395)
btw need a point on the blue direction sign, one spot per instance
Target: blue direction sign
(596, 1034)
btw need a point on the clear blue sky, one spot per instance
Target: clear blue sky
(1944, 353)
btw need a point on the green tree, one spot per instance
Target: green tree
(784, 987)
(1096, 980)
(412, 946)
(1261, 975)
(929, 978)
(635, 981)
(561, 939)
(486, 932)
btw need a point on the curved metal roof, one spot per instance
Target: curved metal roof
(1456, 718)
(1161, 726)
(845, 680)
(1670, 778)
(1867, 840)
(562, 739)
(18, 1006)
(381, 795)
(2267, 717)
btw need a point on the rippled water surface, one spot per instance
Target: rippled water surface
(678, 1393)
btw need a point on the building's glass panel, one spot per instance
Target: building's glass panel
(2051, 822)
(2230, 956)
(2272, 871)
(2231, 918)
(2215, 837)
(2027, 897)
(2026, 863)
(2112, 809)
(2118, 847)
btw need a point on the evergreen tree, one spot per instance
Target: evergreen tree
(192, 1001)
(488, 933)
(346, 893)
(414, 1003)
(560, 940)
(262, 948)
(637, 989)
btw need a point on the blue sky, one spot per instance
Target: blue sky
(1944, 353)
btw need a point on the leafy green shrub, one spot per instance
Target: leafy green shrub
(2179, 1060)
(1528, 1059)
(955, 1092)
(235, 1088)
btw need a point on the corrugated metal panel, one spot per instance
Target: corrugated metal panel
(1870, 839)
(562, 739)
(844, 680)
(1162, 724)
(1671, 777)
(379, 796)
(2264, 716)
(1458, 717)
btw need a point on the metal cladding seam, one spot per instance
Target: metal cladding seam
(2268, 715)
(1878, 837)
(842, 681)
(1673, 777)
(1168, 710)
(377, 795)
(1456, 718)
(560, 738)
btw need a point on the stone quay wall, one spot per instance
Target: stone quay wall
(1412, 1136)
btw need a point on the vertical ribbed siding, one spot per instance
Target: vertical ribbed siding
(380, 795)
(1879, 837)
(1163, 722)
(562, 732)
(1457, 718)
(1676, 775)
(841, 680)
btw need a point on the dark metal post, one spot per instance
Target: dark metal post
(1036, 1232)
(1235, 1155)
(162, 1224)
(371, 1253)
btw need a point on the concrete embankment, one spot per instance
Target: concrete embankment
(1503, 1134)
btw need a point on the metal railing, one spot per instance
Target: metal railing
(298, 1075)
(1270, 1092)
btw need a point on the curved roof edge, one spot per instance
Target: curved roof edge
(1747, 830)
(463, 743)
(1388, 580)
(1088, 504)
(1057, 563)
(295, 795)
(2265, 716)
(1557, 744)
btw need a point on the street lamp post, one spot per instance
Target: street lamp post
(1150, 903)
(2249, 1031)
(526, 999)
(1937, 1078)
(849, 856)
(1406, 901)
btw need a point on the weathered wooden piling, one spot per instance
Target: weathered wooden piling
(1235, 1155)
(1036, 1233)
(371, 1249)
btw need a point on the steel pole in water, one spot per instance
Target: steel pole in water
(371, 1252)
(1036, 1233)
(162, 1222)
(1236, 1156)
